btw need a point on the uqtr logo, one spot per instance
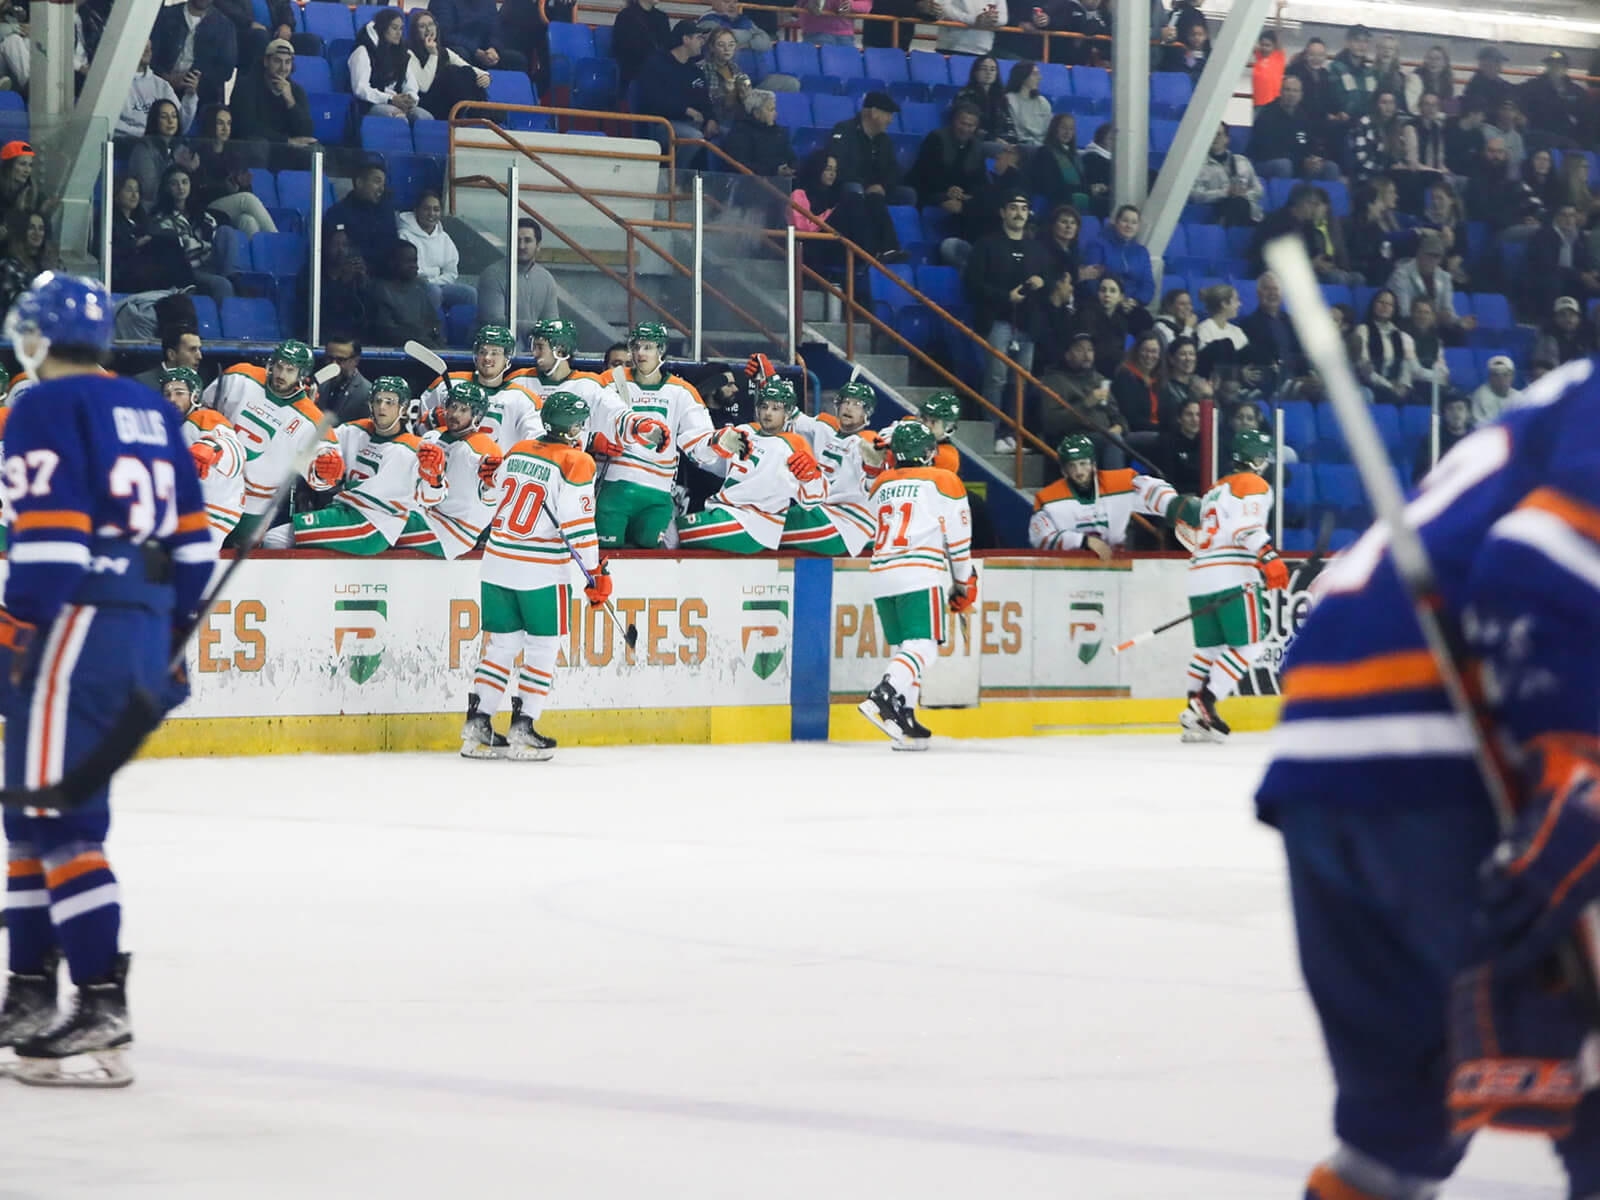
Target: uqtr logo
(358, 631)
(765, 636)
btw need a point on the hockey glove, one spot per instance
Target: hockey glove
(204, 454)
(649, 431)
(1273, 569)
(803, 467)
(327, 468)
(488, 467)
(964, 594)
(732, 443)
(430, 463)
(16, 640)
(603, 447)
(600, 590)
(759, 367)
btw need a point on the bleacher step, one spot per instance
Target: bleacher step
(1033, 471)
(893, 369)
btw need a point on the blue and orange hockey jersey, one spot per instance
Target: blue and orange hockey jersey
(1511, 520)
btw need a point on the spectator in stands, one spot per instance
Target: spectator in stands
(401, 310)
(195, 230)
(1496, 393)
(1173, 24)
(346, 395)
(1455, 422)
(980, 19)
(438, 260)
(1565, 337)
(1512, 211)
(268, 106)
(1386, 355)
(1179, 368)
(1137, 386)
(14, 48)
(29, 251)
(1052, 318)
(641, 29)
(865, 155)
(727, 14)
(895, 33)
(1178, 451)
(1508, 126)
(1074, 378)
(1093, 21)
(671, 84)
(1557, 108)
(817, 192)
(1189, 56)
(828, 23)
(479, 30)
(1059, 234)
(1539, 173)
(195, 48)
(949, 174)
(1380, 141)
(1273, 346)
(1441, 214)
(367, 213)
(146, 88)
(1054, 170)
(1295, 217)
(1220, 342)
(1574, 190)
(1387, 72)
(222, 179)
(1320, 97)
(1096, 161)
(137, 261)
(536, 287)
(726, 86)
(444, 78)
(1030, 112)
(1177, 319)
(1432, 367)
(1373, 232)
(1228, 180)
(758, 141)
(1110, 321)
(1119, 253)
(344, 281)
(1355, 85)
(1003, 271)
(1434, 75)
(985, 92)
(1285, 141)
(616, 356)
(383, 75)
(180, 347)
(158, 149)
(1463, 141)
(1486, 88)
(1423, 276)
(1329, 258)
(1266, 69)
(1428, 130)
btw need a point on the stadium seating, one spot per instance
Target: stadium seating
(927, 67)
(572, 40)
(828, 111)
(249, 319)
(799, 58)
(1170, 92)
(840, 62)
(794, 108)
(330, 116)
(886, 63)
(329, 21)
(386, 135)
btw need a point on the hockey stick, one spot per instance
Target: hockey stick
(420, 353)
(950, 564)
(630, 633)
(144, 712)
(1444, 638)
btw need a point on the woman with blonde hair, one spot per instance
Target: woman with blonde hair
(1219, 340)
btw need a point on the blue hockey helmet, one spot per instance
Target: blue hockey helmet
(60, 310)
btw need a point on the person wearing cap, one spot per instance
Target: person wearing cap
(865, 155)
(268, 106)
(1554, 104)
(671, 84)
(1004, 273)
(19, 190)
(640, 30)
(1355, 83)
(1560, 263)
(1495, 394)
(1486, 87)
(1077, 382)
(1565, 336)
(195, 47)
(1423, 277)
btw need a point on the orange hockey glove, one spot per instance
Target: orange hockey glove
(649, 431)
(430, 463)
(1273, 569)
(803, 467)
(740, 447)
(16, 637)
(759, 367)
(603, 447)
(204, 454)
(599, 592)
(488, 465)
(964, 594)
(328, 466)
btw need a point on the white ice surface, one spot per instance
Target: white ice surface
(1043, 968)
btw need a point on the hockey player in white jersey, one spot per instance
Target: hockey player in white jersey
(922, 569)
(769, 468)
(215, 447)
(546, 502)
(659, 416)
(270, 409)
(457, 522)
(842, 527)
(1089, 509)
(1232, 559)
(388, 474)
(513, 412)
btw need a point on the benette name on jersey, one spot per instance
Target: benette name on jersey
(898, 491)
(140, 426)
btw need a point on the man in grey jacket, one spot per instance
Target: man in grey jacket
(536, 288)
(1425, 277)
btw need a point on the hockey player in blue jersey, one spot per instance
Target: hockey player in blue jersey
(109, 554)
(1426, 934)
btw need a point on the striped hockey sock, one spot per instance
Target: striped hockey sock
(538, 674)
(1199, 671)
(905, 668)
(1232, 665)
(85, 908)
(493, 675)
(27, 910)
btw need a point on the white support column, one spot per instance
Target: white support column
(1130, 105)
(697, 279)
(50, 91)
(108, 194)
(513, 199)
(1229, 56)
(314, 268)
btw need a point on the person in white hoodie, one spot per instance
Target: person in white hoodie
(438, 261)
(383, 73)
(148, 87)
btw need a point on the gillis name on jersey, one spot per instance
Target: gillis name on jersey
(139, 427)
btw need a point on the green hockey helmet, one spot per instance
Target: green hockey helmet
(294, 352)
(780, 390)
(858, 389)
(494, 335)
(562, 335)
(1251, 446)
(912, 444)
(187, 376)
(395, 384)
(1075, 447)
(944, 405)
(464, 391)
(564, 414)
(649, 331)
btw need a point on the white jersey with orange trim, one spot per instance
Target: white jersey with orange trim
(945, 456)
(673, 402)
(381, 480)
(760, 487)
(223, 486)
(839, 456)
(18, 385)
(924, 530)
(1062, 519)
(457, 520)
(537, 481)
(273, 431)
(1231, 534)
(513, 413)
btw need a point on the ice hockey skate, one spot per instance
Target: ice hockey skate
(1200, 720)
(879, 707)
(88, 1048)
(915, 735)
(524, 742)
(478, 738)
(29, 1009)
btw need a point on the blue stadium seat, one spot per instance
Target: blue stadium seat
(885, 62)
(571, 39)
(313, 73)
(1363, 295)
(1493, 311)
(1338, 196)
(888, 297)
(338, 56)
(841, 62)
(799, 58)
(294, 190)
(249, 319)
(1238, 138)
(1296, 541)
(1208, 242)
(602, 41)
(1299, 495)
(432, 137)
(1090, 231)
(920, 119)
(1342, 539)
(943, 94)
(807, 140)
(907, 228)
(1055, 80)
(364, 13)
(1080, 107)
(329, 21)
(1198, 214)
(857, 89)
(1238, 239)
(460, 322)
(1338, 487)
(386, 135)
(821, 85)
(1299, 425)
(330, 116)
(595, 84)
(830, 110)
(288, 220)
(942, 285)
(905, 146)
(12, 102)
(409, 174)
(1387, 418)
(1513, 257)
(917, 325)
(263, 183)
(1337, 293)
(278, 253)
(513, 87)
(1248, 299)
(928, 67)
(1277, 192)
(1162, 135)
(1093, 83)
(900, 93)
(1178, 246)
(1330, 436)
(794, 108)
(1174, 283)
(206, 317)
(1462, 366)
(1170, 92)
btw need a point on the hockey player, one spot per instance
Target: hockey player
(1232, 558)
(275, 419)
(388, 474)
(215, 447)
(923, 546)
(109, 555)
(458, 521)
(1426, 935)
(546, 491)
(659, 415)
(940, 412)
(1088, 509)
(842, 527)
(513, 412)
